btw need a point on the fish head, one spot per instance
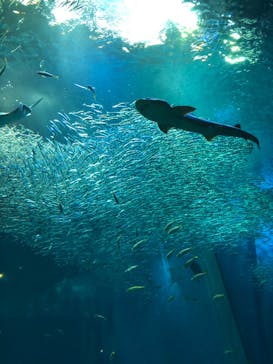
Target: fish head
(153, 109)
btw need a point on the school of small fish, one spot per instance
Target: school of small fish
(117, 190)
(61, 198)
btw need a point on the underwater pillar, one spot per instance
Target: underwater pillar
(233, 348)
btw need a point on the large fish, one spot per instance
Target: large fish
(18, 114)
(179, 117)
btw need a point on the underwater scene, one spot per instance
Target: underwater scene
(136, 181)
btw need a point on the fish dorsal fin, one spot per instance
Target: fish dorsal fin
(183, 109)
(209, 138)
(237, 126)
(163, 128)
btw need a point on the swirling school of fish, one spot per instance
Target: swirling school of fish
(104, 197)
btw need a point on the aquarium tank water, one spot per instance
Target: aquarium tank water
(136, 181)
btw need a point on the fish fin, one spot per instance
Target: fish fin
(209, 138)
(163, 128)
(91, 88)
(237, 126)
(36, 103)
(183, 109)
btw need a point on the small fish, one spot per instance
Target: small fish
(130, 268)
(125, 49)
(100, 316)
(228, 351)
(119, 239)
(174, 229)
(171, 298)
(170, 253)
(169, 225)
(136, 245)
(2, 69)
(135, 288)
(218, 296)
(60, 206)
(183, 252)
(88, 88)
(71, 5)
(198, 276)
(16, 49)
(112, 355)
(47, 74)
(115, 197)
(189, 262)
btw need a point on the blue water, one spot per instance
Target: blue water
(119, 243)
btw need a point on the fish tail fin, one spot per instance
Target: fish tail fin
(256, 140)
(36, 103)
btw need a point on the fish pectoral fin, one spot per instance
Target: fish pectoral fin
(163, 128)
(183, 109)
(209, 138)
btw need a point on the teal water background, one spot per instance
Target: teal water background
(88, 186)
